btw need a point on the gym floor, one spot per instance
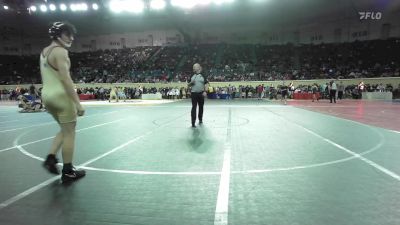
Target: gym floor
(251, 162)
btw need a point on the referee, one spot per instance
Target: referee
(199, 90)
(332, 92)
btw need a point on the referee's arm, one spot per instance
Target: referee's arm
(191, 83)
(206, 85)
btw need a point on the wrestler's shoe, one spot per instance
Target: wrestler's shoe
(72, 175)
(51, 164)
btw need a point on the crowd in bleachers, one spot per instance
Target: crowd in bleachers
(221, 62)
(19, 69)
(268, 91)
(109, 66)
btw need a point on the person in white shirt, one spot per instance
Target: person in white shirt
(332, 92)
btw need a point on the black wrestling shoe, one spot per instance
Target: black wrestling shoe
(72, 175)
(51, 164)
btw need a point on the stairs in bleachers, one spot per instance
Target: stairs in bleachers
(220, 54)
(253, 54)
(154, 56)
(296, 59)
(181, 63)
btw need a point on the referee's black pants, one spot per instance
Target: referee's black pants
(197, 98)
(332, 95)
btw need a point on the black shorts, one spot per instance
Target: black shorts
(284, 92)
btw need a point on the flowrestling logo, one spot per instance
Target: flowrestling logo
(370, 15)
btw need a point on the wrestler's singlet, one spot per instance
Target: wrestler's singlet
(54, 96)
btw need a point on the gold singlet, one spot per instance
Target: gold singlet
(54, 97)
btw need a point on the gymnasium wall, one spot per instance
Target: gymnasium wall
(337, 30)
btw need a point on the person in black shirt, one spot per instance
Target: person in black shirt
(284, 93)
(32, 92)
